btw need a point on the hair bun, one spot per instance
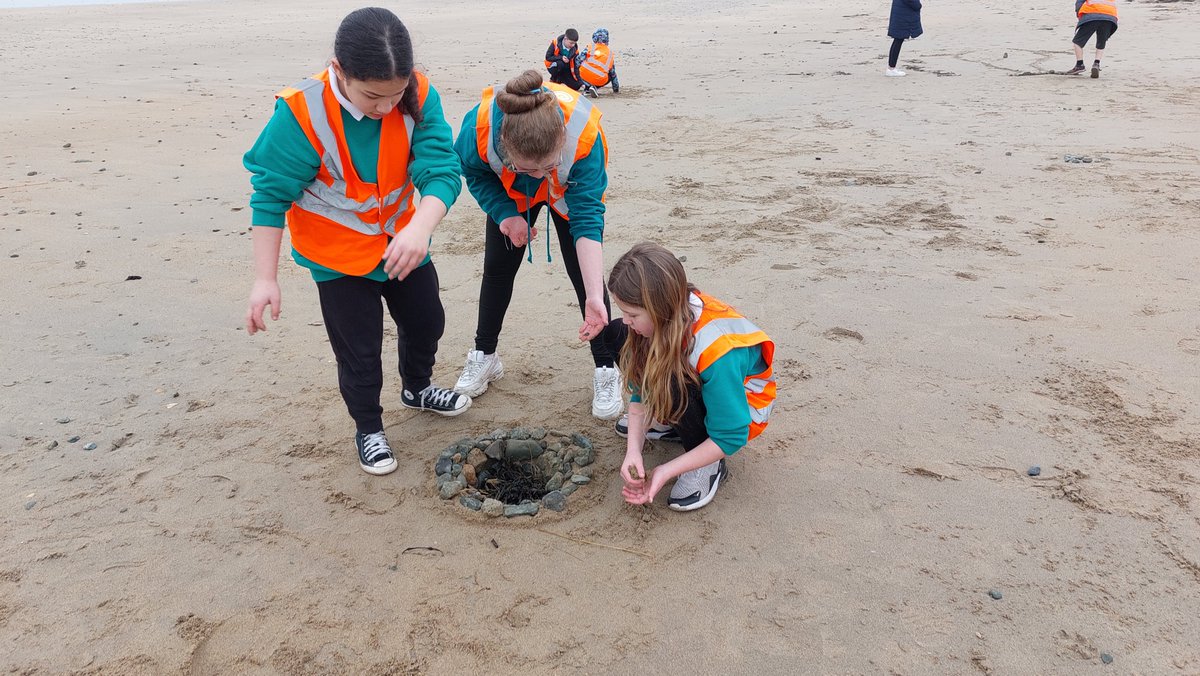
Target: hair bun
(522, 94)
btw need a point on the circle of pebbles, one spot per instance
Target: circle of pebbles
(563, 458)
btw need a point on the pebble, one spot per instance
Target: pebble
(444, 478)
(29, 505)
(468, 475)
(586, 458)
(569, 489)
(555, 482)
(476, 457)
(585, 471)
(63, 420)
(495, 450)
(538, 433)
(1106, 658)
(579, 479)
(52, 445)
(443, 466)
(581, 441)
(1034, 471)
(1008, 154)
(519, 433)
(89, 446)
(555, 501)
(521, 510)
(72, 440)
(470, 503)
(493, 507)
(522, 449)
(995, 594)
(646, 517)
(450, 489)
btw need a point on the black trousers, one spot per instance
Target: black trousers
(1103, 30)
(691, 429)
(565, 74)
(894, 52)
(502, 260)
(353, 317)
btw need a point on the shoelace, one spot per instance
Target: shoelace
(606, 382)
(438, 396)
(375, 445)
(473, 369)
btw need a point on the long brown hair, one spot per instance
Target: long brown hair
(533, 127)
(650, 277)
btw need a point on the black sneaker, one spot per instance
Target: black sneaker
(695, 489)
(655, 433)
(374, 453)
(1095, 70)
(437, 399)
(1076, 70)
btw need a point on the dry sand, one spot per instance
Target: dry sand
(952, 303)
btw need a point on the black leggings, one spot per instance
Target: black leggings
(690, 427)
(353, 317)
(1102, 29)
(502, 260)
(894, 53)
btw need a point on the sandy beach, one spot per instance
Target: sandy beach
(952, 303)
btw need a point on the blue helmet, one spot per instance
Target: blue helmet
(600, 36)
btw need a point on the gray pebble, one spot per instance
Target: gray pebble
(493, 507)
(581, 441)
(555, 501)
(522, 449)
(1106, 658)
(1086, 160)
(1008, 154)
(519, 433)
(448, 453)
(456, 468)
(555, 482)
(89, 446)
(470, 503)
(443, 466)
(521, 510)
(495, 450)
(580, 480)
(569, 489)
(996, 594)
(72, 439)
(29, 505)
(585, 471)
(538, 433)
(585, 458)
(52, 445)
(63, 420)
(450, 489)
(1034, 471)
(444, 478)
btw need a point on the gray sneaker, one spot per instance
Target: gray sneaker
(695, 489)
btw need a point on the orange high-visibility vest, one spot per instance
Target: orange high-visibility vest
(557, 53)
(340, 221)
(582, 121)
(720, 329)
(1108, 7)
(594, 70)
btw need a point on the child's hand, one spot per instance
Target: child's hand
(264, 292)
(595, 319)
(517, 230)
(405, 252)
(643, 492)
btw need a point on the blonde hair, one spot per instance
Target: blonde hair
(650, 277)
(533, 127)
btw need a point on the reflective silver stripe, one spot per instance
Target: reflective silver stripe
(715, 329)
(574, 131)
(314, 93)
(312, 204)
(757, 385)
(493, 157)
(760, 415)
(400, 193)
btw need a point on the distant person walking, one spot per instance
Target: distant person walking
(905, 23)
(1097, 17)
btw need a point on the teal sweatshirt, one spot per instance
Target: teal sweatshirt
(283, 163)
(585, 185)
(722, 386)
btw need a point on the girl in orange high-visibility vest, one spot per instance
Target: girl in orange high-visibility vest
(692, 362)
(529, 145)
(340, 162)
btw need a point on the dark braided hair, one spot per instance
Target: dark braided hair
(373, 44)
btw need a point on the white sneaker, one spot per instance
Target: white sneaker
(606, 401)
(480, 370)
(894, 72)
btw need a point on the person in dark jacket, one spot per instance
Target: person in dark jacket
(1096, 17)
(905, 23)
(561, 56)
